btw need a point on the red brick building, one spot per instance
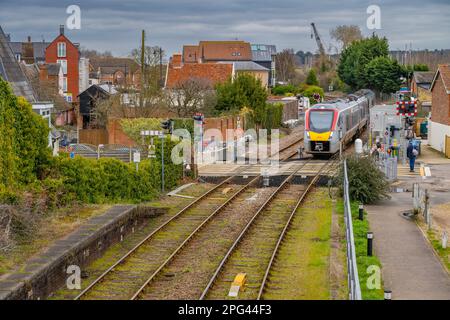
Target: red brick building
(63, 51)
(440, 110)
(440, 93)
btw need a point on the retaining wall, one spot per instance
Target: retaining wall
(46, 273)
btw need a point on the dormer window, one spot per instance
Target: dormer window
(61, 49)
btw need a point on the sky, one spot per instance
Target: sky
(115, 25)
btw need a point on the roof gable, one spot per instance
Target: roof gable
(444, 71)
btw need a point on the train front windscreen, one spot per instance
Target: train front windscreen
(320, 121)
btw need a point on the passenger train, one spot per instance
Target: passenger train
(329, 123)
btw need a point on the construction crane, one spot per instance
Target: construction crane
(315, 34)
(324, 64)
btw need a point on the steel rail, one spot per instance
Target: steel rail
(285, 229)
(244, 231)
(189, 238)
(150, 236)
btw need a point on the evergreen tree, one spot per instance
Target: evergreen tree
(355, 58)
(311, 79)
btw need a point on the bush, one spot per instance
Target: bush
(367, 183)
(309, 92)
(285, 90)
(23, 140)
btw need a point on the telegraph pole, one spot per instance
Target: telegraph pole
(141, 100)
(160, 68)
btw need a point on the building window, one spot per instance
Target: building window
(64, 84)
(61, 49)
(63, 64)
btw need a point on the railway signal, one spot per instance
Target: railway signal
(167, 125)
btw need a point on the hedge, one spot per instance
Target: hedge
(23, 140)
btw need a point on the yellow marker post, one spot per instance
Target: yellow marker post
(238, 284)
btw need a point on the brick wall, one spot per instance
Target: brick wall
(116, 134)
(440, 111)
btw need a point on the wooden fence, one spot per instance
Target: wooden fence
(93, 136)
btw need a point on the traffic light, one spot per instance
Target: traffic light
(167, 125)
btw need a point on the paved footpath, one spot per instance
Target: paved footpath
(410, 268)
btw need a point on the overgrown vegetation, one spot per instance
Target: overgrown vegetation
(33, 183)
(367, 183)
(23, 140)
(303, 89)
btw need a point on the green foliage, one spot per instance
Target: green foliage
(24, 140)
(311, 79)
(243, 91)
(355, 58)
(105, 180)
(383, 75)
(184, 123)
(367, 183)
(309, 92)
(133, 127)
(284, 90)
(407, 71)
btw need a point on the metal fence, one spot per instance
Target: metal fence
(353, 278)
(388, 165)
(116, 151)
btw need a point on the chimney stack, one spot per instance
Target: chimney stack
(29, 39)
(8, 37)
(61, 29)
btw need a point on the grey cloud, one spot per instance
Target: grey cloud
(115, 25)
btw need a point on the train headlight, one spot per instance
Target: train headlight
(331, 135)
(307, 134)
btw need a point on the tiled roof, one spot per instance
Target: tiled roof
(213, 73)
(225, 50)
(10, 71)
(38, 49)
(53, 69)
(444, 71)
(110, 65)
(423, 76)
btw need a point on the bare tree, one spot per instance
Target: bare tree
(285, 65)
(190, 96)
(346, 34)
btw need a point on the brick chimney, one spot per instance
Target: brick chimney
(177, 60)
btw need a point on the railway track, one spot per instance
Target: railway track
(186, 272)
(254, 251)
(121, 280)
(147, 269)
